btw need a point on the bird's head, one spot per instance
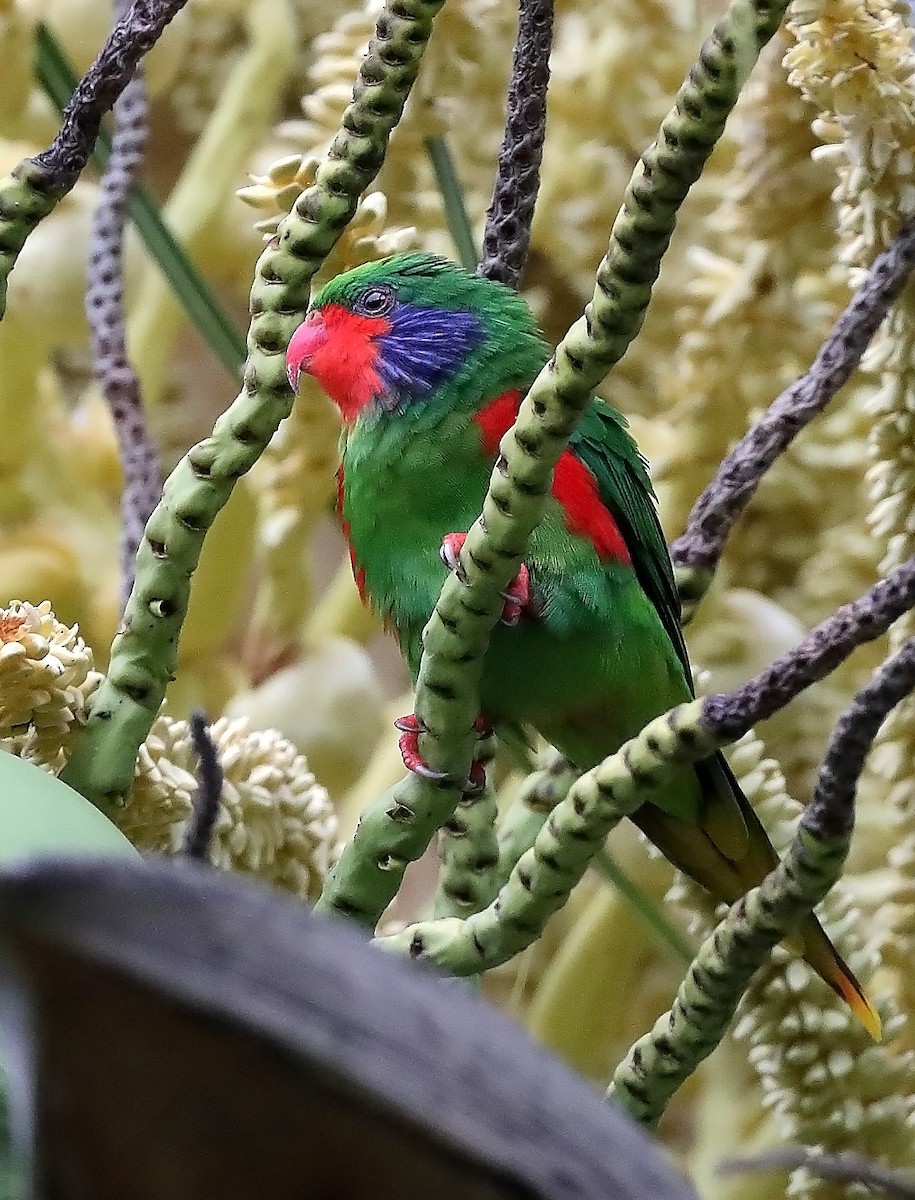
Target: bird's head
(391, 335)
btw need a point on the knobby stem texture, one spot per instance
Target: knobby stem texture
(541, 791)
(144, 653)
(508, 223)
(576, 829)
(198, 833)
(662, 1060)
(396, 830)
(697, 552)
(105, 311)
(36, 185)
(468, 879)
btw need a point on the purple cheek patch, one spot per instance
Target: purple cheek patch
(424, 349)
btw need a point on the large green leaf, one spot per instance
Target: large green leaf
(39, 815)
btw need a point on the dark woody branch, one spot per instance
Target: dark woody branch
(696, 552)
(508, 223)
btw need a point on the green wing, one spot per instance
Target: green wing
(605, 445)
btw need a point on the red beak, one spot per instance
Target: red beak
(307, 339)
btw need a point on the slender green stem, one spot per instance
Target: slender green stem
(144, 653)
(470, 855)
(538, 795)
(453, 199)
(58, 80)
(663, 1059)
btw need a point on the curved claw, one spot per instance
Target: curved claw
(411, 727)
(518, 598)
(477, 781)
(450, 553)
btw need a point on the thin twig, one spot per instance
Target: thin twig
(730, 716)
(832, 806)
(105, 312)
(199, 830)
(508, 223)
(721, 504)
(845, 1167)
(134, 34)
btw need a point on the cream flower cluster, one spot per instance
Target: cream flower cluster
(46, 677)
(365, 238)
(274, 821)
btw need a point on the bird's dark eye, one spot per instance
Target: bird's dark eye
(376, 301)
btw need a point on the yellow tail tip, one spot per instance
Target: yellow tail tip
(859, 1004)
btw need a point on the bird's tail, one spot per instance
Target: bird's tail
(728, 853)
(811, 941)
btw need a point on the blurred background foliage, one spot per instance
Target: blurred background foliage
(799, 196)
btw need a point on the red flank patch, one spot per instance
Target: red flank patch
(574, 486)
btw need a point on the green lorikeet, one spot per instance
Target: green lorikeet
(428, 365)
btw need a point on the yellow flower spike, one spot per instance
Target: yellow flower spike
(339, 735)
(284, 170)
(856, 64)
(221, 579)
(46, 677)
(275, 820)
(364, 239)
(247, 104)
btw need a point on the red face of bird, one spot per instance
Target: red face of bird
(339, 347)
(393, 334)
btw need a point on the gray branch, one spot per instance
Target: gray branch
(105, 311)
(508, 223)
(721, 504)
(134, 34)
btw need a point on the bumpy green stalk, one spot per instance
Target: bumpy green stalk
(574, 832)
(144, 654)
(26, 197)
(661, 1061)
(470, 856)
(537, 797)
(397, 829)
